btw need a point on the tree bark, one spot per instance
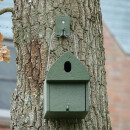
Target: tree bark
(33, 24)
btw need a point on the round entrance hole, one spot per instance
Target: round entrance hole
(67, 66)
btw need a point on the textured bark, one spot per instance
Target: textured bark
(33, 24)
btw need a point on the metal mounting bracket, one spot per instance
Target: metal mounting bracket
(62, 26)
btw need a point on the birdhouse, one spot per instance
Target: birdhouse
(66, 89)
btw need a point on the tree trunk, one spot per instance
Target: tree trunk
(33, 24)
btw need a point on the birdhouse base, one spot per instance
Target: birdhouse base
(65, 115)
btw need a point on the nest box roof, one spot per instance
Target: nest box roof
(68, 68)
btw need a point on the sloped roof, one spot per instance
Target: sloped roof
(78, 71)
(5, 20)
(116, 15)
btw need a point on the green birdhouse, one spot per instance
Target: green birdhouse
(66, 89)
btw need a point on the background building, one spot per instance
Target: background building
(116, 17)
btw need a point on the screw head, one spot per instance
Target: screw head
(63, 22)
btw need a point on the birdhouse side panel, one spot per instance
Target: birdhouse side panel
(87, 97)
(46, 97)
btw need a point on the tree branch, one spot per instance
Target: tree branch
(6, 10)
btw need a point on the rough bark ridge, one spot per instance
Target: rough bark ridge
(33, 24)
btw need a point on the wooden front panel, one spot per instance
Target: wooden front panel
(67, 94)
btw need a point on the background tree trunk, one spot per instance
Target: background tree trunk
(33, 24)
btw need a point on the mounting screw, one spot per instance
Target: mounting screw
(67, 108)
(63, 22)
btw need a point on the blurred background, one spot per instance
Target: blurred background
(116, 29)
(116, 19)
